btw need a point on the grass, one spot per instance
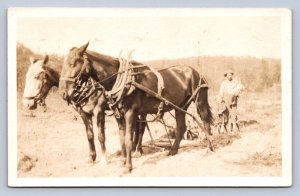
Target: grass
(263, 158)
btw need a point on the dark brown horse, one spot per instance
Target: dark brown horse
(180, 83)
(95, 104)
(40, 78)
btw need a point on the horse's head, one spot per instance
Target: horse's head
(75, 71)
(36, 87)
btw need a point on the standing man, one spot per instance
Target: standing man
(229, 94)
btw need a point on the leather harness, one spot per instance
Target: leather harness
(125, 84)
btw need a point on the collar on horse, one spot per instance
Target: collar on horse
(122, 85)
(125, 85)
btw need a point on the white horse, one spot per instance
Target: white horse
(39, 80)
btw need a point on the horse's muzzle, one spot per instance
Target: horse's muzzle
(29, 104)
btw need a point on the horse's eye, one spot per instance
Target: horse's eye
(37, 77)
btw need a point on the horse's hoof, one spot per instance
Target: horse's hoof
(127, 170)
(208, 152)
(222, 130)
(173, 152)
(90, 161)
(92, 157)
(137, 154)
(103, 161)
(232, 133)
(235, 128)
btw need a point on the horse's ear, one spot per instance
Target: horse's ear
(46, 58)
(31, 59)
(83, 48)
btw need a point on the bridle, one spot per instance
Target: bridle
(39, 98)
(84, 85)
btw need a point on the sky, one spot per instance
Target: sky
(155, 37)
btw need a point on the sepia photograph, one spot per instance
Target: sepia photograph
(151, 97)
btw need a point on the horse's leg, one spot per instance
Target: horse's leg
(208, 135)
(233, 115)
(206, 130)
(140, 129)
(226, 119)
(87, 119)
(180, 130)
(205, 113)
(121, 125)
(136, 135)
(222, 123)
(44, 107)
(130, 118)
(101, 135)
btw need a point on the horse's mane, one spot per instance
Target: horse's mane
(54, 74)
(102, 58)
(106, 58)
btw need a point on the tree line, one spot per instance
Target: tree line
(257, 74)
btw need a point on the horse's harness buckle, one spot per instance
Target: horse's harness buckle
(159, 113)
(113, 106)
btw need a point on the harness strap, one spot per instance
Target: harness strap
(121, 86)
(160, 80)
(160, 88)
(119, 77)
(196, 92)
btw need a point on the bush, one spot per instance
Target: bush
(23, 62)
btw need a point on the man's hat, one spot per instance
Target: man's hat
(227, 72)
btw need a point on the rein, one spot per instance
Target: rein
(135, 73)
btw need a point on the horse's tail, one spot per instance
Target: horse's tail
(202, 104)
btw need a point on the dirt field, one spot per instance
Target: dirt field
(54, 144)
